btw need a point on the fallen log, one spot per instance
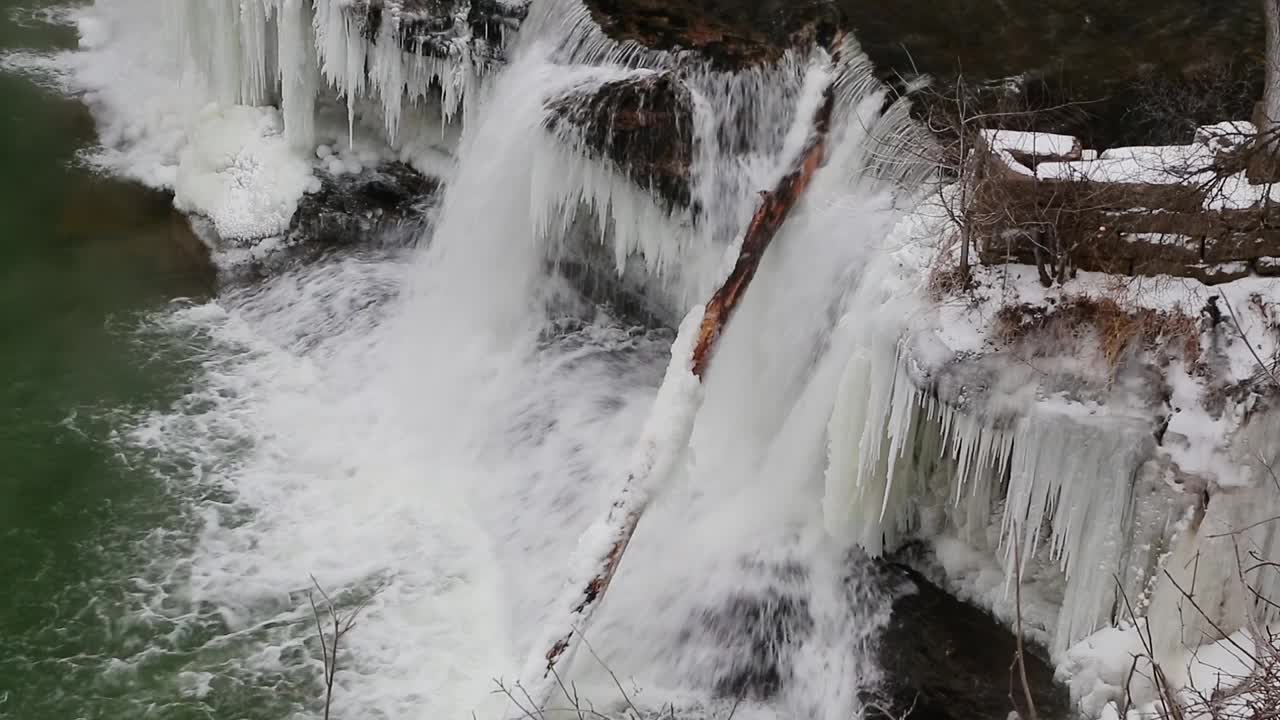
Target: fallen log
(670, 423)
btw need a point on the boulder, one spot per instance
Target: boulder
(643, 124)
(349, 208)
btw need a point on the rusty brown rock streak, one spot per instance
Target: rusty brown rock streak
(774, 208)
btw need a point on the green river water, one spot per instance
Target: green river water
(83, 260)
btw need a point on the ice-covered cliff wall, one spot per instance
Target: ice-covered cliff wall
(395, 53)
(1108, 491)
(242, 107)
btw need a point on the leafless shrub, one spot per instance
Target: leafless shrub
(338, 624)
(1167, 109)
(582, 708)
(1116, 329)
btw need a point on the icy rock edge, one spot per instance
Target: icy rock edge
(242, 108)
(1138, 496)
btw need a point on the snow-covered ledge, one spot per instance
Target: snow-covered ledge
(1128, 475)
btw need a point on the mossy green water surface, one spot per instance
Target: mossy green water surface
(83, 260)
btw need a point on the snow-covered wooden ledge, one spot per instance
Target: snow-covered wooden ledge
(1183, 210)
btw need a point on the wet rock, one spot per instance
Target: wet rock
(445, 28)
(644, 125)
(1186, 63)
(349, 209)
(625, 299)
(1244, 246)
(946, 660)
(751, 633)
(110, 220)
(387, 207)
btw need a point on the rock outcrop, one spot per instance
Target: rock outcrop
(350, 209)
(445, 28)
(644, 125)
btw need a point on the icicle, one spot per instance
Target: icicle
(255, 75)
(566, 180)
(1069, 481)
(386, 71)
(299, 76)
(223, 62)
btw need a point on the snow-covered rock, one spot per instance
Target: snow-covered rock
(240, 172)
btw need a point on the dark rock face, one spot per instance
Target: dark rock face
(753, 631)
(382, 209)
(348, 209)
(946, 660)
(644, 125)
(1128, 73)
(730, 33)
(445, 28)
(1138, 72)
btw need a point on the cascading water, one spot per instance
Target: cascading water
(431, 430)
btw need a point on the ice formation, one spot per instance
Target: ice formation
(1110, 518)
(241, 173)
(897, 453)
(267, 50)
(154, 74)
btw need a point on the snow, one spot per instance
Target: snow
(1221, 665)
(1195, 441)
(1010, 162)
(901, 462)
(1193, 166)
(1170, 239)
(241, 172)
(1228, 132)
(1035, 144)
(1225, 137)
(1172, 165)
(1113, 667)
(168, 88)
(1097, 669)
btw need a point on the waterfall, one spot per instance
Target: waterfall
(431, 429)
